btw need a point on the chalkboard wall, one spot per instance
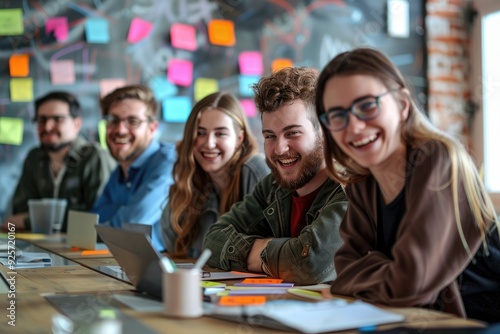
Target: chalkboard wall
(307, 32)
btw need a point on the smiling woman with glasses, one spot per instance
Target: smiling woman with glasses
(418, 210)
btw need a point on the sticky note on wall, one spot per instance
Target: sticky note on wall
(204, 87)
(180, 72)
(183, 36)
(280, 63)
(19, 65)
(58, 26)
(139, 29)
(176, 109)
(97, 30)
(106, 86)
(11, 22)
(62, 72)
(21, 90)
(162, 88)
(249, 107)
(250, 63)
(221, 32)
(245, 83)
(11, 130)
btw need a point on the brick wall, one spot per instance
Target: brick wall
(448, 65)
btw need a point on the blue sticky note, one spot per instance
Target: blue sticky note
(97, 30)
(245, 83)
(176, 109)
(162, 88)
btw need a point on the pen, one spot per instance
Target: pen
(205, 255)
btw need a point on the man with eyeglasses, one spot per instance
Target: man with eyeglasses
(288, 226)
(65, 165)
(139, 186)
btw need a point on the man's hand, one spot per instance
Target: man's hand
(254, 263)
(17, 220)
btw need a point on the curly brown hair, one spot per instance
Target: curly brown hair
(138, 92)
(285, 86)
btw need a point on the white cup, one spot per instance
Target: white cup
(182, 293)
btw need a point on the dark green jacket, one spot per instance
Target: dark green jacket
(265, 213)
(87, 170)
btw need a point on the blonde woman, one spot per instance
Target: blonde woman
(417, 209)
(217, 166)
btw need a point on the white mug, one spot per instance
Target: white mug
(182, 293)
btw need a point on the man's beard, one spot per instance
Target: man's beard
(56, 147)
(310, 166)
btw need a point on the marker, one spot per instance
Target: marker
(205, 255)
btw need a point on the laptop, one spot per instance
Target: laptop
(81, 231)
(140, 261)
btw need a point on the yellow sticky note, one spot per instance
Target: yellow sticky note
(11, 130)
(204, 87)
(21, 90)
(19, 65)
(221, 32)
(11, 22)
(101, 130)
(280, 63)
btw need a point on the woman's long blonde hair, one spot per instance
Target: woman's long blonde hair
(417, 129)
(192, 185)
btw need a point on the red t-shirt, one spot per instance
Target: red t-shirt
(300, 205)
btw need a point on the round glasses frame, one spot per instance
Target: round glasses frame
(129, 122)
(356, 109)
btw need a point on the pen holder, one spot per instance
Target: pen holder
(182, 293)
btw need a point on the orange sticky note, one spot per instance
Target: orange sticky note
(221, 32)
(242, 300)
(280, 63)
(262, 281)
(19, 65)
(96, 252)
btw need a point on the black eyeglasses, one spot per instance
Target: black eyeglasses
(131, 122)
(58, 119)
(366, 109)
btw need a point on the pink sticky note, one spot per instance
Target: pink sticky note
(180, 72)
(249, 107)
(251, 63)
(139, 29)
(183, 36)
(59, 26)
(62, 72)
(106, 86)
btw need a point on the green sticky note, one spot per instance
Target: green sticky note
(204, 87)
(11, 130)
(21, 90)
(107, 314)
(11, 22)
(101, 130)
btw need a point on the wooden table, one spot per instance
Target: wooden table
(34, 313)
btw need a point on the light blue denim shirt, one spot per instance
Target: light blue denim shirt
(139, 199)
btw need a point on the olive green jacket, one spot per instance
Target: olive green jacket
(265, 213)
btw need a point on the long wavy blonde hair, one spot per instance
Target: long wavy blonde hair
(192, 185)
(417, 129)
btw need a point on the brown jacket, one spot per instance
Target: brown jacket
(428, 252)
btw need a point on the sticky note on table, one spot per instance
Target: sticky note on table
(242, 300)
(183, 36)
(106, 86)
(221, 32)
(176, 109)
(250, 63)
(21, 90)
(249, 107)
(11, 22)
(97, 30)
(19, 65)
(139, 29)
(262, 281)
(245, 83)
(62, 71)
(180, 72)
(204, 87)
(280, 63)
(58, 26)
(11, 130)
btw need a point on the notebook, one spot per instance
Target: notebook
(81, 231)
(140, 262)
